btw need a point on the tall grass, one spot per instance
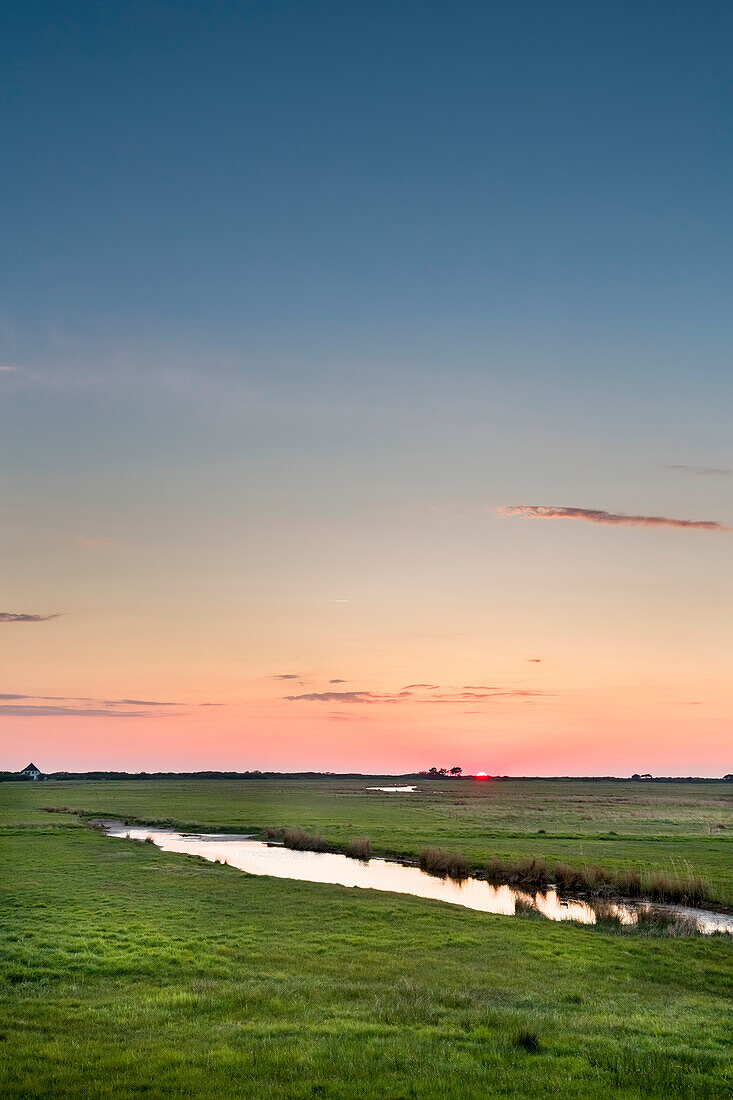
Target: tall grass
(678, 886)
(436, 861)
(655, 922)
(303, 841)
(523, 872)
(527, 1039)
(359, 848)
(682, 887)
(685, 886)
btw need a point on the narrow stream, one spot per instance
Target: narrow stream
(257, 857)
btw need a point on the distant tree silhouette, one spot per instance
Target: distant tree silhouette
(456, 770)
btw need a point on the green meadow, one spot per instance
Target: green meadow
(651, 827)
(125, 971)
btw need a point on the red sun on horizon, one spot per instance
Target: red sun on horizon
(481, 775)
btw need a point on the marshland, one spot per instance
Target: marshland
(123, 964)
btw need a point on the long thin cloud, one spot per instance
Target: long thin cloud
(24, 617)
(97, 702)
(699, 471)
(22, 711)
(403, 696)
(614, 519)
(345, 697)
(465, 696)
(136, 703)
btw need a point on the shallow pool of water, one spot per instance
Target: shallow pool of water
(257, 857)
(394, 790)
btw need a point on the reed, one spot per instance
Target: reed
(303, 841)
(436, 861)
(678, 886)
(682, 887)
(359, 848)
(628, 883)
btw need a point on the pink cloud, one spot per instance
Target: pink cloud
(596, 515)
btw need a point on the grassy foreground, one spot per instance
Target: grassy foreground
(126, 972)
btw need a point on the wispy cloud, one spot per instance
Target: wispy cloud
(346, 697)
(286, 676)
(468, 696)
(445, 699)
(596, 515)
(87, 542)
(426, 687)
(338, 681)
(85, 705)
(134, 703)
(699, 471)
(27, 711)
(25, 617)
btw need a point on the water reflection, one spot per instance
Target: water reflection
(259, 858)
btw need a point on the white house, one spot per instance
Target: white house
(31, 771)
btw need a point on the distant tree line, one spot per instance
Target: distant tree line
(442, 773)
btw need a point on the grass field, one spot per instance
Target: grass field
(646, 827)
(129, 972)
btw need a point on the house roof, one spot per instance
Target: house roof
(30, 768)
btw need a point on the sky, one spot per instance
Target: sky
(366, 386)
